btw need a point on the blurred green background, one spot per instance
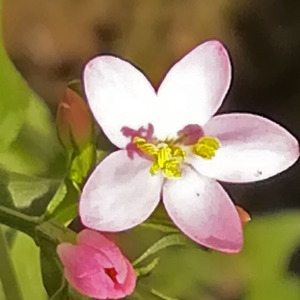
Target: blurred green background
(49, 41)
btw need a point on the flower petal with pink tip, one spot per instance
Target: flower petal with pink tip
(194, 88)
(120, 193)
(252, 148)
(200, 207)
(119, 96)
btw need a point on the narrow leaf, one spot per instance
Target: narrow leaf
(66, 208)
(159, 227)
(167, 241)
(82, 164)
(161, 296)
(143, 271)
(61, 293)
(57, 198)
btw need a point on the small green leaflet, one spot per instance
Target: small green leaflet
(82, 164)
(64, 205)
(175, 239)
(143, 271)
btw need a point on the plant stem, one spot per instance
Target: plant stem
(7, 273)
(19, 221)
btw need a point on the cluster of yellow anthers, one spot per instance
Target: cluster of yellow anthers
(167, 156)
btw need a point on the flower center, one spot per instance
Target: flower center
(166, 156)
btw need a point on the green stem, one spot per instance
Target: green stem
(53, 233)
(7, 273)
(19, 221)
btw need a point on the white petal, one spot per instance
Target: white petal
(252, 148)
(194, 88)
(203, 211)
(119, 194)
(119, 96)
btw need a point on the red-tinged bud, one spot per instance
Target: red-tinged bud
(244, 216)
(74, 121)
(96, 267)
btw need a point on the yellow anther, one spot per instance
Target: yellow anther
(166, 157)
(154, 168)
(163, 155)
(206, 147)
(171, 168)
(178, 152)
(145, 147)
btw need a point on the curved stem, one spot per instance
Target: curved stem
(19, 221)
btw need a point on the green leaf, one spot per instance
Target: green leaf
(156, 225)
(82, 164)
(268, 244)
(166, 241)
(5, 196)
(258, 272)
(66, 209)
(52, 272)
(14, 99)
(57, 198)
(8, 276)
(29, 152)
(2, 296)
(25, 256)
(25, 189)
(143, 271)
(61, 293)
(161, 296)
(10, 235)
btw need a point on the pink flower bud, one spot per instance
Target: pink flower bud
(244, 216)
(96, 267)
(74, 121)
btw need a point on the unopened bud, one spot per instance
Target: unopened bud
(74, 121)
(244, 216)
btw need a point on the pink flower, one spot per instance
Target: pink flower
(171, 146)
(96, 267)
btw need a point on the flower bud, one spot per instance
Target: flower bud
(244, 216)
(74, 121)
(96, 267)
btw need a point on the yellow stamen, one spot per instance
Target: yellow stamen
(206, 147)
(166, 157)
(178, 152)
(145, 147)
(171, 168)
